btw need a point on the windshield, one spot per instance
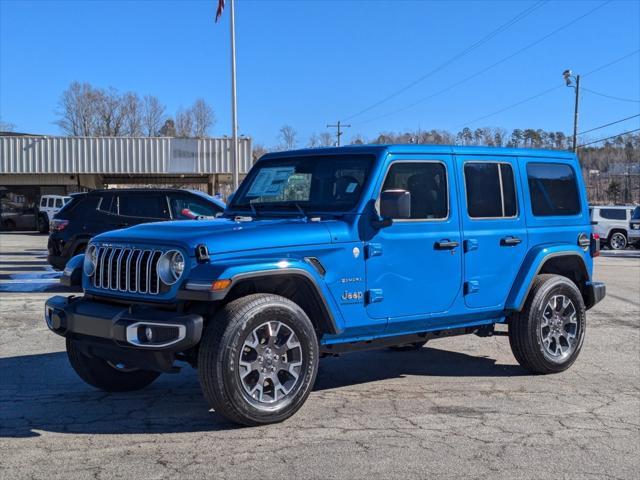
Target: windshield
(322, 184)
(636, 214)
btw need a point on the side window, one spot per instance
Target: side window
(185, 208)
(491, 190)
(109, 205)
(553, 189)
(58, 203)
(50, 203)
(143, 206)
(43, 202)
(427, 183)
(613, 213)
(86, 206)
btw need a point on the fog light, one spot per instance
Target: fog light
(148, 333)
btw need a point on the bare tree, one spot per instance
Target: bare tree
(314, 141)
(326, 139)
(77, 110)
(288, 137)
(258, 151)
(357, 139)
(168, 129)
(7, 126)
(203, 118)
(184, 123)
(152, 115)
(132, 110)
(110, 113)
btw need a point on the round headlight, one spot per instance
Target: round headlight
(171, 267)
(90, 260)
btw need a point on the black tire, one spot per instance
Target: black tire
(9, 224)
(223, 344)
(408, 347)
(102, 375)
(617, 240)
(80, 249)
(43, 223)
(525, 327)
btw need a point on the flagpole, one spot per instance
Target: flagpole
(234, 114)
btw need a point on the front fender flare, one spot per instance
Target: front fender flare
(201, 279)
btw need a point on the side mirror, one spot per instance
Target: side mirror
(394, 204)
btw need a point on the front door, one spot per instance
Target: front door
(494, 230)
(414, 266)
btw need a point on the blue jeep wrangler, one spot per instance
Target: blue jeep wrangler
(327, 251)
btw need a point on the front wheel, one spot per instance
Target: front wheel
(258, 359)
(547, 335)
(105, 375)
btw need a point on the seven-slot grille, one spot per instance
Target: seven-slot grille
(123, 269)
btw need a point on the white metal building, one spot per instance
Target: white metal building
(66, 164)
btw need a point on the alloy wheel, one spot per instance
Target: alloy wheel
(270, 363)
(559, 329)
(618, 241)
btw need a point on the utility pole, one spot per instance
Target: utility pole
(339, 131)
(234, 106)
(574, 82)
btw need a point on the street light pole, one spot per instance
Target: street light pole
(574, 81)
(234, 114)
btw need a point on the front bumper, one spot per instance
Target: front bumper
(146, 337)
(596, 291)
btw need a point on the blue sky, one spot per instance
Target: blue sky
(309, 63)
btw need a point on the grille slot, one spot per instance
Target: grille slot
(132, 270)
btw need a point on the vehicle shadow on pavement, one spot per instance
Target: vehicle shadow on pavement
(42, 392)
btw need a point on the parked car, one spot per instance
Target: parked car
(17, 216)
(611, 222)
(326, 251)
(88, 214)
(51, 204)
(634, 227)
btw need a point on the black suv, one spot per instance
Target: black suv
(89, 214)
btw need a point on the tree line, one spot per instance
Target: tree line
(85, 110)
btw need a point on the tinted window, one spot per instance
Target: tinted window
(491, 190)
(58, 203)
(636, 213)
(553, 189)
(185, 208)
(613, 213)
(143, 205)
(83, 206)
(427, 183)
(50, 203)
(43, 202)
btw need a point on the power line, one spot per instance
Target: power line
(609, 138)
(549, 90)
(611, 96)
(526, 12)
(493, 65)
(609, 124)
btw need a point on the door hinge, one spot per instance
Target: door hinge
(374, 295)
(470, 244)
(472, 286)
(373, 250)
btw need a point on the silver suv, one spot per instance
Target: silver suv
(611, 222)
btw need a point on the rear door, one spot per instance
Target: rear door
(494, 229)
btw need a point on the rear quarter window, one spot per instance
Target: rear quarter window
(613, 213)
(553, 189)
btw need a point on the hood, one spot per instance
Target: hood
(223, 235)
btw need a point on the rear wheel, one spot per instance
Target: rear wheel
(618, 241)
(258, 359)
(107, 376)
(9, 224)
(547, 335)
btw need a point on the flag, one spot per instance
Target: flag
(220, 9)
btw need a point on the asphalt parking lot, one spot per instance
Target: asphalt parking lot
(458, 408)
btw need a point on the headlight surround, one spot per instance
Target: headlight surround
(171, 266)
(90, 260)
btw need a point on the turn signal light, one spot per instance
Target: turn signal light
(220, 284)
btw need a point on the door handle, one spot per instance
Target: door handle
(510, 241)
(446, 245)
